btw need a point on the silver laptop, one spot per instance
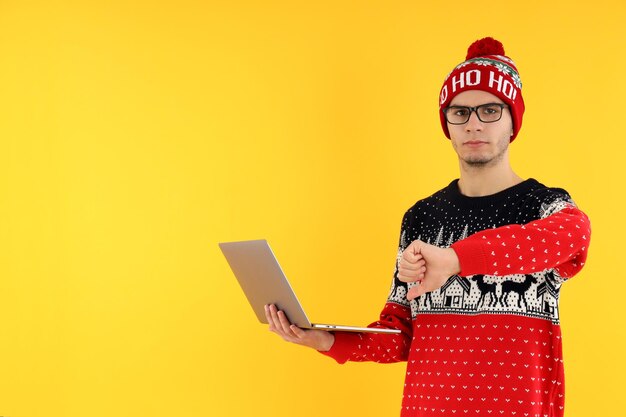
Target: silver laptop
(263, 281)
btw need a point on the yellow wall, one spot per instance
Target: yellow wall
(134, 136)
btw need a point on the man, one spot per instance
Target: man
(480, 266)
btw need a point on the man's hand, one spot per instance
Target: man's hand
(427, 265)
(317, 339)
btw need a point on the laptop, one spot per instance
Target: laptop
(262, 280)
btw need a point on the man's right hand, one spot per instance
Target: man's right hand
(317, 339)
(427, 265)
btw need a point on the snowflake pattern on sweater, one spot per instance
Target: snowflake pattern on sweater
(488, 342)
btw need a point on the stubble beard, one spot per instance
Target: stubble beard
(484, 161)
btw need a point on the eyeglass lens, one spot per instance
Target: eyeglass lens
(487, 113)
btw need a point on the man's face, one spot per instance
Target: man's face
(480, 144)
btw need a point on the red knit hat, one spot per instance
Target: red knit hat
(485, 68)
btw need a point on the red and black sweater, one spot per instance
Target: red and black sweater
(488, 342)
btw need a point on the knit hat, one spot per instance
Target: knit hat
(485, 68)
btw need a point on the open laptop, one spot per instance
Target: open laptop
(263, 281)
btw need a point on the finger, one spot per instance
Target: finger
(407, 276)
(268, 316)
(298, 332)
(418, 290)
(413, 265)
(410, 266)
(416, 247)
(410, 257)
(276, 326)
(285, 324)
(415, 292)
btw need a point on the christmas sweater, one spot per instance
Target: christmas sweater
(488, 342)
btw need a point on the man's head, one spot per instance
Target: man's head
(480, 128)
(487, 69)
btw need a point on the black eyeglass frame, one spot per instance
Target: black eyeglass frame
(475, 110)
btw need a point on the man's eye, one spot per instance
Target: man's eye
(460, 112)
(490, 110)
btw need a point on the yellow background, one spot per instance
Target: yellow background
(134, 136)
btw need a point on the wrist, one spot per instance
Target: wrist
(455, 264)
(328, 343)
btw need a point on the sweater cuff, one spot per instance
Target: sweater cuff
(341, 350)
(472, 256)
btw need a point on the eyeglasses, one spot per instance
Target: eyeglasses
(487, 113)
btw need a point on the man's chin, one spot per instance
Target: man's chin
(477, 161)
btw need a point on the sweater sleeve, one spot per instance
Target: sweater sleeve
(376, 347)
(558, 241)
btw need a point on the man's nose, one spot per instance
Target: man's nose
(474, 122)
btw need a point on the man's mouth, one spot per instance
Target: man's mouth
(474, 143)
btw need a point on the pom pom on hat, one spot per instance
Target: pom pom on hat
(485, 68)
(484, 47)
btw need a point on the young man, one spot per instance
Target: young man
(480, 266)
